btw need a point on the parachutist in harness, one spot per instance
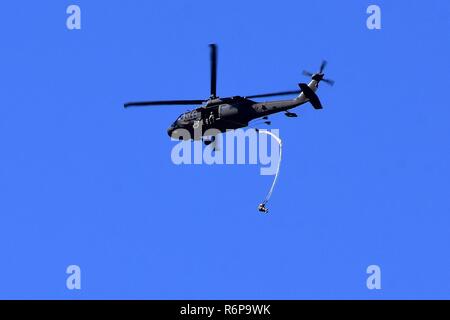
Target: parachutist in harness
(262, 208)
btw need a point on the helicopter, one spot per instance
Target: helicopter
(235, 112)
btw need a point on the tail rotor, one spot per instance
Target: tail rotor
(319, 76)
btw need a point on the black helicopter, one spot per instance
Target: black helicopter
(236, 112)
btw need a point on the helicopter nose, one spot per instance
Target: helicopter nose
(170, 131)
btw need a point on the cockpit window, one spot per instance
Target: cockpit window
(175, 123)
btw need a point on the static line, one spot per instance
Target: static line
(262, 207)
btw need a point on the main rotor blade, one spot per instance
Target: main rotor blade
(162, 103)
(307, 73)
(213, 58)
(274, 94)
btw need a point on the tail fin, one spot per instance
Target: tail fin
(310, 95)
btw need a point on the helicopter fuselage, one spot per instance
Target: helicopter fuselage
(230, 113)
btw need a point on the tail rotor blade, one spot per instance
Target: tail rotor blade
(322, 66)
(328, 81)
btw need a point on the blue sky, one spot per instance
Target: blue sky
(83, 181)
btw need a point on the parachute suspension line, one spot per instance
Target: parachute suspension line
(262, 207)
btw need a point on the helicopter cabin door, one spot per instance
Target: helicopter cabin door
(211, 115)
